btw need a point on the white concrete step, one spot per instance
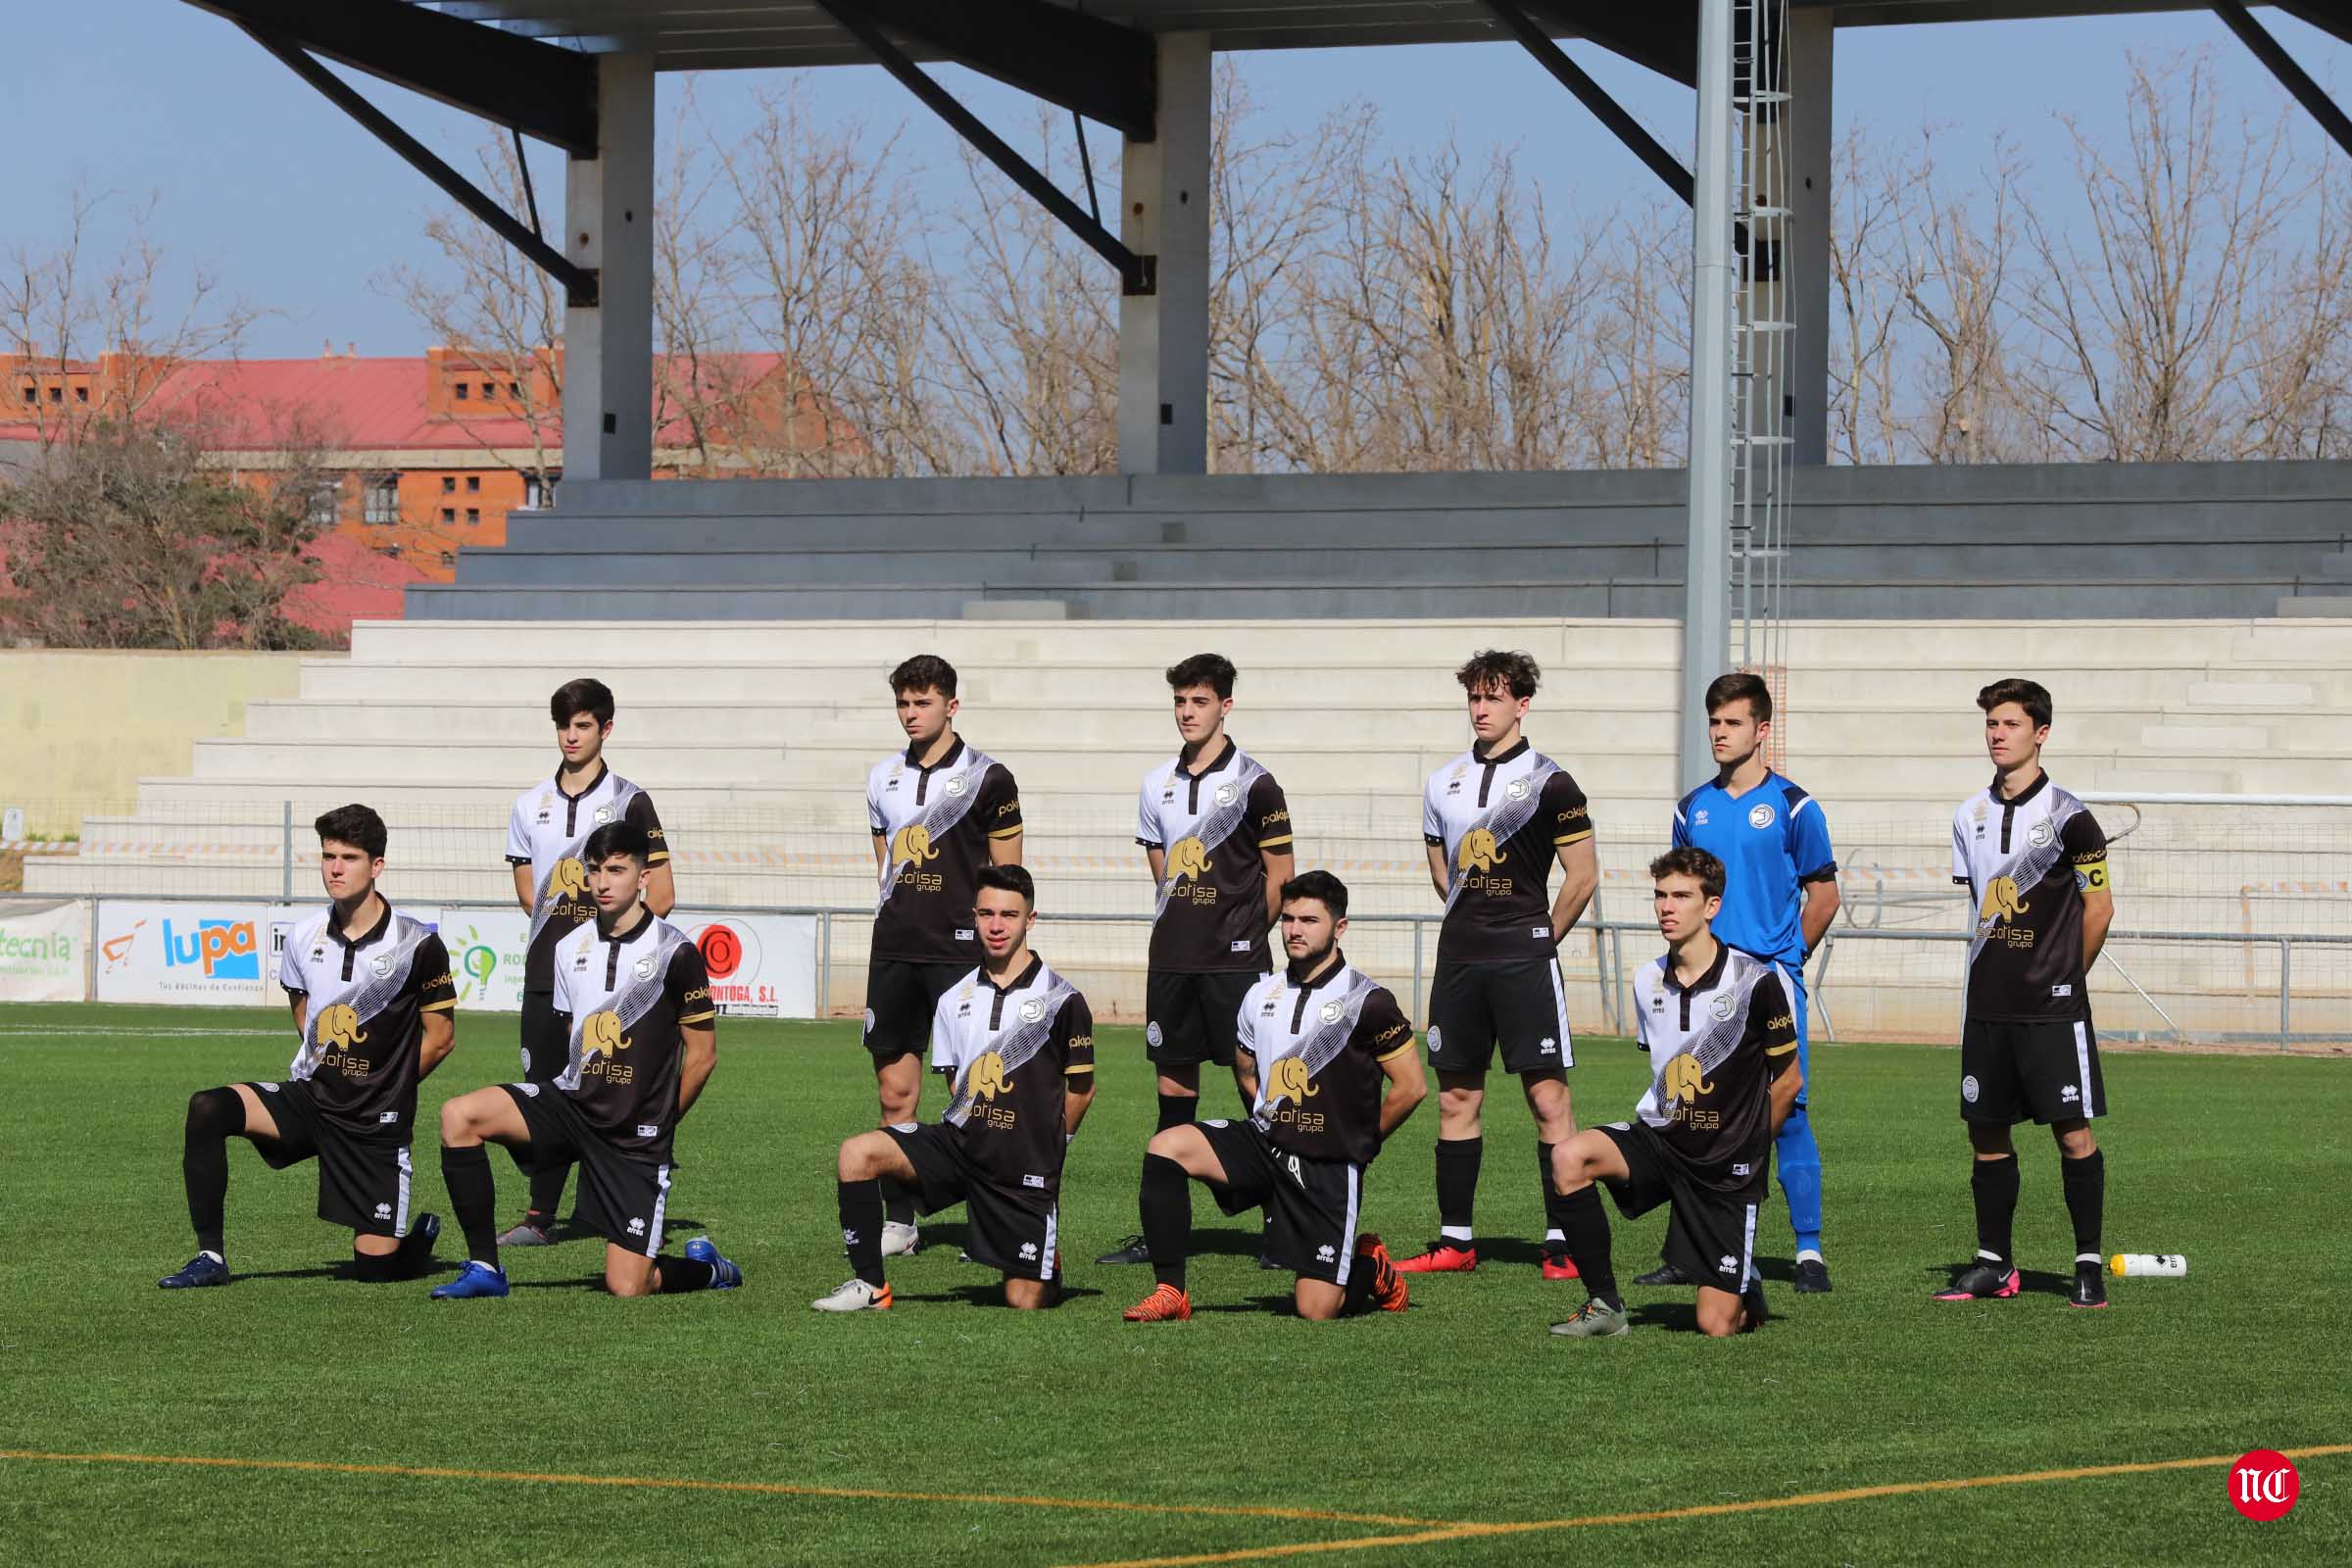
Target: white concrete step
(2252, 694)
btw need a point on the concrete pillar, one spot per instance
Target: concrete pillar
(1164, 211)
(1706, 573)
(1805, 261)
(608, 225)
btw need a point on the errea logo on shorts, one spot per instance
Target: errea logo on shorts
(1726, 1264)
(636, 1227)
(1028, 1251)
(1324, 1253)
(646, 1129)
(383, 1211)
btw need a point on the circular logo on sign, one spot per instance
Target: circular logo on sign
(1033, 1009)
(1968, 1088)
(1516, 789)
(2263, 1485)
(1153, 1037)
(1761, 816)
(722, 949)
(955, 786)
(1331, 1013)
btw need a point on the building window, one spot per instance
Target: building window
(449, 515)
(32, 394)
(539, 489)
(448, 485)
(382, 501)
(461, 391)
(326, 503)
(515, 390)
(489, 390)
(474, 516)
(57, 394)
(473, 483)
(81, 394)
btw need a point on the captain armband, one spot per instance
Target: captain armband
(2090, 876)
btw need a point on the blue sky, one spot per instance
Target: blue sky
(299, 210)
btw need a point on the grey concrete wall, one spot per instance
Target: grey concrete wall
(2071, 541)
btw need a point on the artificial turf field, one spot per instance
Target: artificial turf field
(558, 1422)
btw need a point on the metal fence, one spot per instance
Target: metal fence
(2236, 912)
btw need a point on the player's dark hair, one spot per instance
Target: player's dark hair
(1493, 668)
(2030, 695)
(355, 825)
(617, 838)
(1691, 861)
(1724, 690)
(1010, 879)
(1321, 885)
(1212, 670)
(925, 672)
(587, 695)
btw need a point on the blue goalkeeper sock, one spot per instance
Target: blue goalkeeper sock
(1799, 1160)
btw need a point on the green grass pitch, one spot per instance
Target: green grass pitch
(1462, 1411)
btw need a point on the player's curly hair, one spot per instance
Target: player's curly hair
(1494, 669)
(1691, 861)
(355, 825)
(925, 672)
(1212, 670)
(2030, 695)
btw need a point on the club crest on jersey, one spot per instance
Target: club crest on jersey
(1761, 816)
(955, 785)
(1331, 1013)
(1033, 1009)
(1721, 1008)
(382, 968)
(2039, 836)
(1515, 790)
(643, 968)
(603, 814)
(1228, 793)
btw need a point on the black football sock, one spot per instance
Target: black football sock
(1176, 1110)
(214, 1116)
(1586, 1226)
(1993, 1184)
(1458, 1185)
(2086, 1199)
(898, 1202)
(862, 1229)
(472, 1199)
(547, 1185)
(1555, 1229)
(679, 1275)
(379, 1268)
(1166, 1209)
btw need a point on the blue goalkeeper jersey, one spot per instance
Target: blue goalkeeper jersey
(1772, 840)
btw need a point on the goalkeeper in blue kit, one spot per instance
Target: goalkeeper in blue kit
(1779, 897)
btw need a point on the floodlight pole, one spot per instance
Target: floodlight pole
(1706, 567)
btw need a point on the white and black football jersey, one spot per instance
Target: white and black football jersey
(626, 1000)
(363, 1018)
(547, 832)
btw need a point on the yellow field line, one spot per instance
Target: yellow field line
(1708, 1510)
(775, 1489)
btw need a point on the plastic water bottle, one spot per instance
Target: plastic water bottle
(2148, 1265)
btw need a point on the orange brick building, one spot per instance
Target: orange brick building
(430, 453)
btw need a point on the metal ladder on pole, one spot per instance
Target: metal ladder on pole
(1762, 443)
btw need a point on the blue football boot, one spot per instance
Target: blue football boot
(724, 1276)
(475, 1279)
(201, 1269)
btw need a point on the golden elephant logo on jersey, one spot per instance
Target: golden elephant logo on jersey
(1480, 852)
(1686, 1080)
(913, 846)
(339, 1027)
(1188, 860)
(1287, 1078)
(2001, 900)
(987, 1078)
(601, 1035)
(568, 880)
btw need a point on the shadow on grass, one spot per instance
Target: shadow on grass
(991, 1293)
